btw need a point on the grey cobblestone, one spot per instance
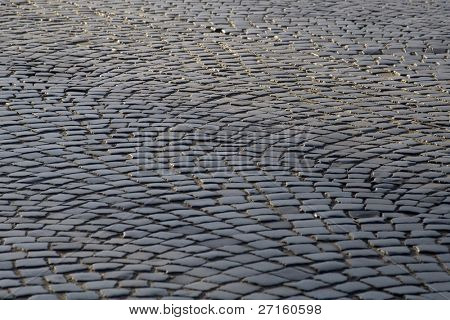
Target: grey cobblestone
(195, 149)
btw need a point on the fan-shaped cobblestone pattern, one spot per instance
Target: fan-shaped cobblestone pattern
(224, 149)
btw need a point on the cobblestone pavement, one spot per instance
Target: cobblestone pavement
(224, 149)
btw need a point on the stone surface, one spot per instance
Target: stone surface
(224, 149)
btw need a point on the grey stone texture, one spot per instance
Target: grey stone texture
(227, 149)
